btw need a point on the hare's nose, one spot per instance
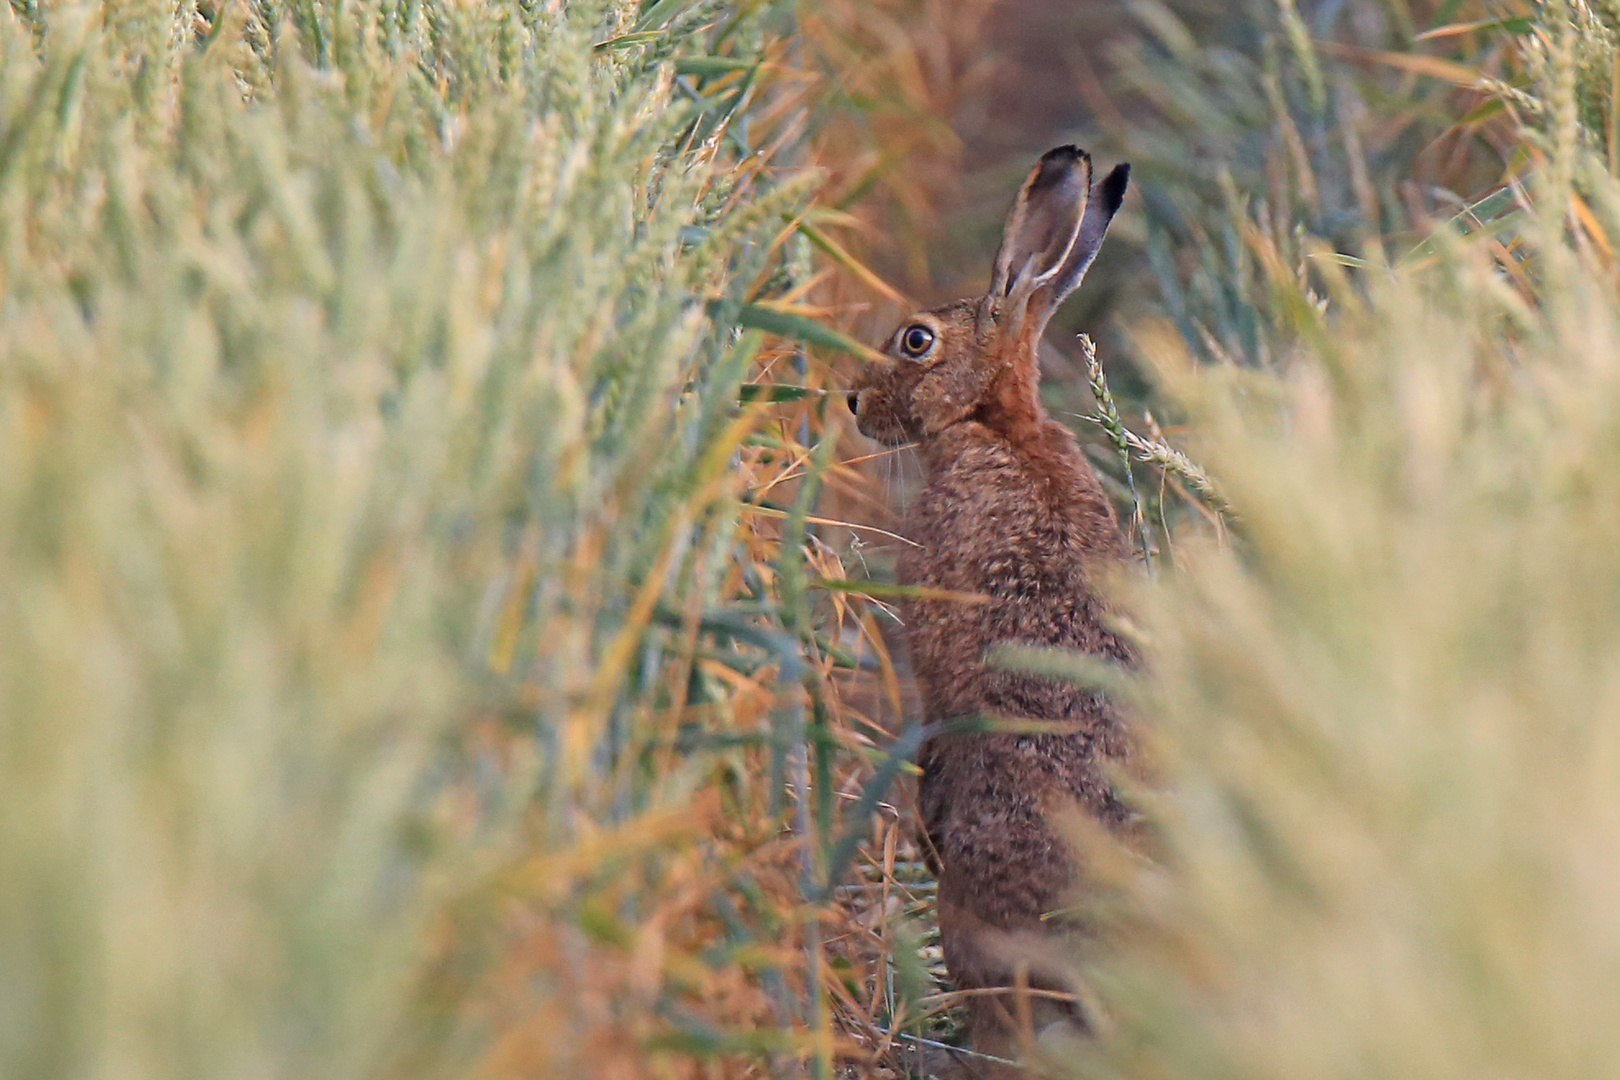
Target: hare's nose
(854, 401)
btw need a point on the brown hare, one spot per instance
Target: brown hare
(1011, 511)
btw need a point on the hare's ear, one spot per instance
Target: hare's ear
(1103, 202)
(1042, 229)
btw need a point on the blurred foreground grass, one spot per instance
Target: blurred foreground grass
(387, 663)
(1391, 713)
(1389, 707)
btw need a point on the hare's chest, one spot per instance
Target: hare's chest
(1013, 580)
(1000, 543)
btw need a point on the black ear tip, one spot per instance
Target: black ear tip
(1057, 164)
(1114, 184)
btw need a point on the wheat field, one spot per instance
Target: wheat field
(443, 623)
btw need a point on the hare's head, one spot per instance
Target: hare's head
(976, 359)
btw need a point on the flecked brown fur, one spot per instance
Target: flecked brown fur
(1011, 511)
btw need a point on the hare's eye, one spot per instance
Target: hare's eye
(916, 340)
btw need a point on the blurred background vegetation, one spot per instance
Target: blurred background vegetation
(443, 623)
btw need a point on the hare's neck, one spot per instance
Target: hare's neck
(1059, 474)
(1013, 408)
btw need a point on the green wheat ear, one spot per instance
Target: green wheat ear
(1107, 418)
